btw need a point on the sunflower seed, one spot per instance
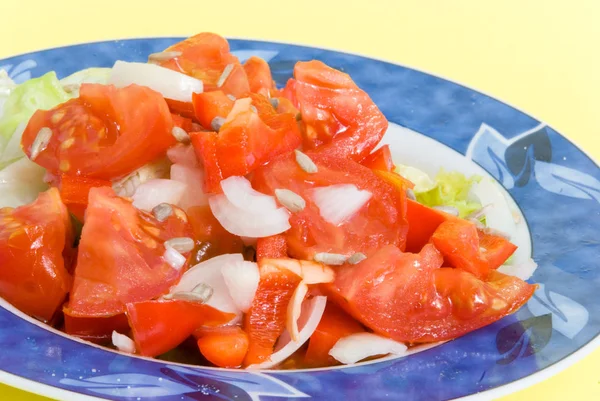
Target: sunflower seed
(330, 258)
(448, 209)
(291, 200)
(231, 97)
(181, 244)
(305, 162)
(201, 294)
(410, 194)
(162, 56)
(162, 211)
(274, 102)
(204, 290)
(357, 258)
(40, 142)
(224, 75)
(180, 135)
(217, 123)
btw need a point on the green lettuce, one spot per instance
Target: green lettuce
(93, 75)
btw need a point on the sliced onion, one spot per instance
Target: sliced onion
(210, 273)
(154, 192)
(123, 343)
(311, 272)
(498, 214)
(20, 183)
(240, 193)
(312, 311)
(359, 346)
(248, 224)
(127, 185)
(240, 106)
(171, 84)
(294, 309)
(338, 203)
(193, 178)
(523, 270)
(183, 155)
(175, 259)
(241, 279)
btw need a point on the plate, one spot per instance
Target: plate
(434, 123)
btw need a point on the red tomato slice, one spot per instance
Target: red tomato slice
(381, 159)
(74, 192)
(105, 133)
(341, 120)
(33, 239)
(184, 109)
(273, 247)
(208, 105)
(334, 324)
(160, 326)
(245, 143)
(289, 92)
(409, 298)
(205, 56)
(259, 76)
(120, 256)
(97, 330)
(265, 321)
(422, 223)
(495, 249)
(225, 349)
(380, 222)
(215, 240)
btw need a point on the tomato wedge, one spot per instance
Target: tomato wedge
(334, 324)
(495, 249)
(33, 239)
(120, 257)
(208, 105)
(160, 326)
(409, 298)
(259, 76)
(380, 222)
(105, 133)
(265, 320)
(224, 348)
(422, 223)
(205, 56)
(341, 120)
(249, 140)
(97, 330)
(272, 247)
(381, 159)
(74, 191)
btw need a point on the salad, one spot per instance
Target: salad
(188, 209)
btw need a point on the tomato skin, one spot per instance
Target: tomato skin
(182, 122)
(74, 192)
(209, 231)
(265, 320)
(208, 105)
(183, 109)
(259, 76)
(97, 330)
(422, 223)
(381, 159)
(497, 249)
(246, 142)
(105, 133)
(334, 324)
(289, 92)
(33, 238)
(341, 120)
(225, 349)
(380, 222)
(120, 258)
(160, 326)
(273, 247)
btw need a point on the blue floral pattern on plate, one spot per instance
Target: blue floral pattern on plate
(556, 186)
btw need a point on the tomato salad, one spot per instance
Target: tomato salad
(188, 209)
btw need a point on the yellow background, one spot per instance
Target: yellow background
(540, 56)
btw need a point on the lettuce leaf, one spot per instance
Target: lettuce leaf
(93, 75)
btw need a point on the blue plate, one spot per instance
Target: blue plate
(554, 183)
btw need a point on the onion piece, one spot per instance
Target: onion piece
(174, 258)
(497, 213)
(171, 84)
(295, 308)
(183, 155)
(127, 185)
(123, 343)
(312, 311)
(337, 203)
(210, 273)
(154, 192)
(193, 178)
(21, 182)
(248, 224)
(359, 346)
(240, 193)
(241, 279)
(311, 272)
(523, 270)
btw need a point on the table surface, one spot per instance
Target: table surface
(540, 56)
